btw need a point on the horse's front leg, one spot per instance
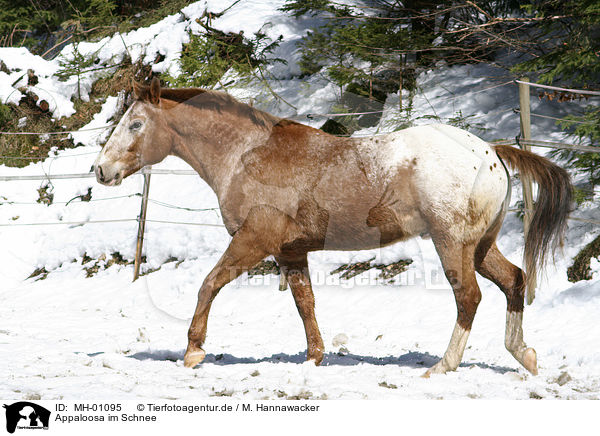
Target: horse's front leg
(241, 255)
(296, 272)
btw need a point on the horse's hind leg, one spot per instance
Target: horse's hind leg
(492, 265)
(457, 261)
(296, 271)
(242, 254)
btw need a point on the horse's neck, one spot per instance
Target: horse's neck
(213, 146)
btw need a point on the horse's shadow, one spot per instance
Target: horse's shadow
(412, 359)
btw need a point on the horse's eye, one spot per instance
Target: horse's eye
(135, 125)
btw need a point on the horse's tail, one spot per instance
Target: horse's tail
(547, 228)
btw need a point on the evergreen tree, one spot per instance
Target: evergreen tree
(364, 47)
(414, 33)
(375, 48)
(209, 55)
(378, 47)
(41, 24)
(570, 57)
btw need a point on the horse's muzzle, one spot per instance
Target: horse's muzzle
(105, 177)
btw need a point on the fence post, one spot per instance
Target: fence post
(283, 284)
(525, 112)
(141, 225)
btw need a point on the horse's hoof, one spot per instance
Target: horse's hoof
(315, 358)
(193, 358)
(530, 361)
(438, 368)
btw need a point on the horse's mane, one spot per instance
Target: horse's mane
(181, 95)
(216, 100)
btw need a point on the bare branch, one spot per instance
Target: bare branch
(494, 21)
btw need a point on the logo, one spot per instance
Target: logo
(26, 415)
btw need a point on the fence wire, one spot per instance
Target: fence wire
(556, 88)
(72, 200)
(116, 220)
(91, 174)
(47, 156)
(64, 132)
(549, 144)
(537, 143)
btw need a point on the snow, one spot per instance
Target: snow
(106, 337)
(95, 132)
(164, 38)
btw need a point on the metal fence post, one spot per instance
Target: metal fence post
(141, 224)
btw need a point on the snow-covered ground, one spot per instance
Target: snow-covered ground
(65, 335)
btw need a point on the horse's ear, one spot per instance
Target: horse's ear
(139, 91)
(150, 93)
(154, 95)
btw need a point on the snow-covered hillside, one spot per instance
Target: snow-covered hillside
(65, 335)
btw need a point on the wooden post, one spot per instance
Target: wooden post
(526, 134)
(141, 225)
(525, 112)
(400, 86)
(283, 284)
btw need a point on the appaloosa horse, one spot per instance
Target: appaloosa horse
(285, 189)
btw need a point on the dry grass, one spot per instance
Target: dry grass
(581, 268)
(388, 272)
(20, 150)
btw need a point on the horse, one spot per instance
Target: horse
(286, 189)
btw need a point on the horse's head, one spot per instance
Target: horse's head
(141, 138)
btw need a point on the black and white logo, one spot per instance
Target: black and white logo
(26, 415)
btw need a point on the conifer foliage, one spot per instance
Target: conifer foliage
(372, 48)
(570, 56)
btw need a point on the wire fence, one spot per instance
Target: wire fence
(312, 115)
(562, 120)
(557, 88)
(91, 174)
(63, 132)
(116, 220)
(39, 157)
(537, 143)
(91, 200)
(178, 172)
(548, 144)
